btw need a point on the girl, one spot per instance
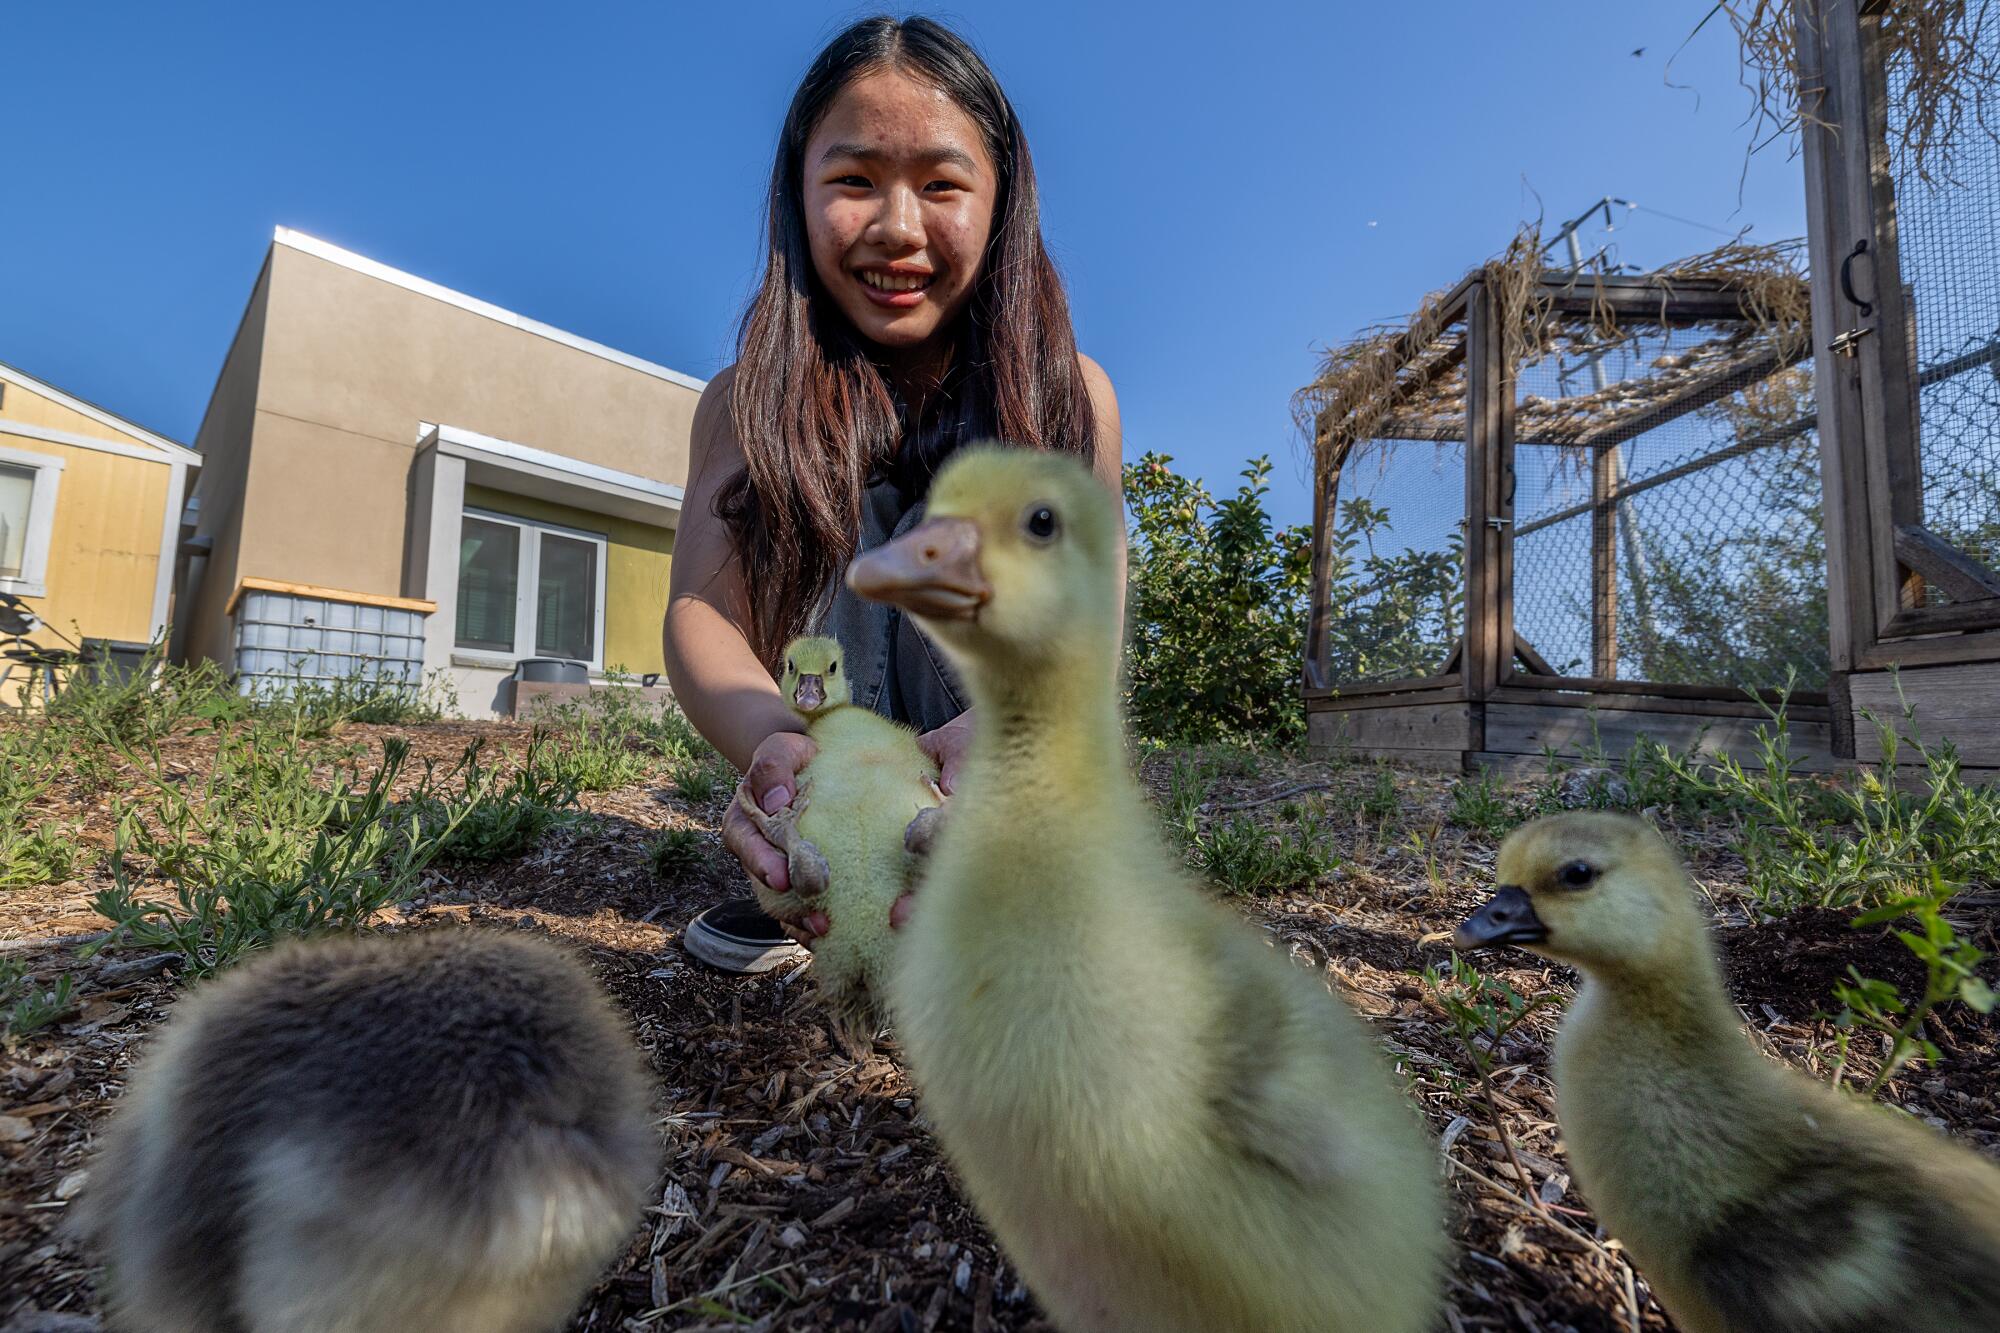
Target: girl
(908, 306)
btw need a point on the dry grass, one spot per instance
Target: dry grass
(1936, 44)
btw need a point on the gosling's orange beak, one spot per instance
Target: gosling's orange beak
(931, 571)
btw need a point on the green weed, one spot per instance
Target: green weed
(1478, 804)
(243, 871)
(1877, 1006)
(1483, 1010)
(1243, 856)
(27, 1007)
(492, 819)
(1865, 843)
(675, 853)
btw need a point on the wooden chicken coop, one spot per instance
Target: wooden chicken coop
(1561, 510)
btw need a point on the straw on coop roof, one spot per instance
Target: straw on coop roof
(1408, 383)
(1944, 46)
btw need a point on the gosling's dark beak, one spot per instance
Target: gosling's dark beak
(811, 692)
(1508, 918)
(931, 571)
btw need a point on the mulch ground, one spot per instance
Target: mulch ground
(801, 1190)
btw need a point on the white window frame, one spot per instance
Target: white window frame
(528, 579)
(48, 469)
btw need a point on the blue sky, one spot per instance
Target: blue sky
(1225, 187)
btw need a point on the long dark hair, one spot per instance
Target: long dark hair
(813, 411)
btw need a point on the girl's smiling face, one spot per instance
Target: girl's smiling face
(899, 198)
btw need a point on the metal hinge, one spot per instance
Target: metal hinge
(1848, 343)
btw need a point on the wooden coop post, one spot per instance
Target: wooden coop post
(1604, 562)
(1486, 653)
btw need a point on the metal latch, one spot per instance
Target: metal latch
(1499, 524)
(1848, 342)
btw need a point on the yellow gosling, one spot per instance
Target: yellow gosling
(447, 1131)
(1169, 1127)
(1754, 1198)
(844, 832)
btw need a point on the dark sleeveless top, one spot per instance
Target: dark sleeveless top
(892, 668)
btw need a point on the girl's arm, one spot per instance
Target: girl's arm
(718, 681)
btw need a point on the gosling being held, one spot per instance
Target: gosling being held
(1169, 1127)
(862, 803)
(447, 1131)
(1754, 1199)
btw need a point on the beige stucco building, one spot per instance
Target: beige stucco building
(392, 467)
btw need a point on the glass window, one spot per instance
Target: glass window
(17, 493)
(566, 600)
(489, 580)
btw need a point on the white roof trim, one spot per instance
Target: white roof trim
(173, 449)
(628, 493)
(333, 254)
(126, 448)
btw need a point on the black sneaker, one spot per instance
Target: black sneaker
(737, 936)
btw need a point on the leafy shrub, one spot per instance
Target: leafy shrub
(1217, 610)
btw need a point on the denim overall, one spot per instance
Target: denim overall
(891, 667)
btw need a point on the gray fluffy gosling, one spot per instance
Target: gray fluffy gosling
(447, 1132)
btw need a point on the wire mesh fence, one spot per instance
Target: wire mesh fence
(1667, 522)
(1948, 238)
(1396, 586)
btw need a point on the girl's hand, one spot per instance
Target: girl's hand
(947, 746)
(771, 781)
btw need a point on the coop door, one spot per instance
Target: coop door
(1905, 215)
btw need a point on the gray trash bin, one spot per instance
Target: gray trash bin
(552, 671)
(116, 661)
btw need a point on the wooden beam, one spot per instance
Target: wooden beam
(1534, 661)
(324, 594)
(1419, 685)
(1604, 563)
(1662, 689)
(1834, 154)
(1962, 578)
(1973, 645)
(1656, 703)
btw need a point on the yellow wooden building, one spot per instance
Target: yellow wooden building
(90, 516)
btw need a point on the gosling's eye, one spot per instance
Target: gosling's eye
(1576, 875)
(833, 669)
(1040, 523)
(789, 668)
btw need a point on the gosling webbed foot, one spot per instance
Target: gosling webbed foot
(921, 833)
(808, 868)
(805, 866)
